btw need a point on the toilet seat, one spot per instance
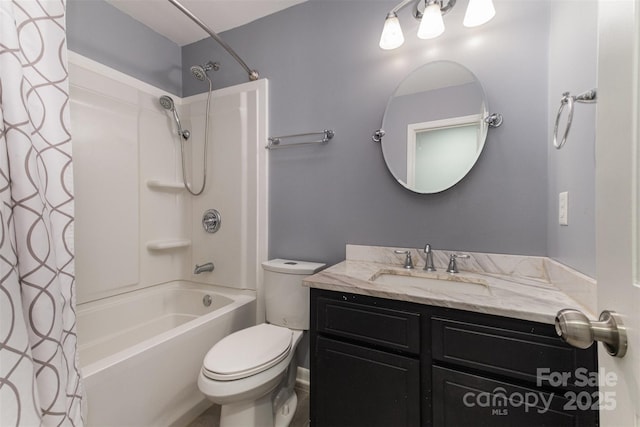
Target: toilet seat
(247, 352)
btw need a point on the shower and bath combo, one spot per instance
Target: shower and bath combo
(200, 72)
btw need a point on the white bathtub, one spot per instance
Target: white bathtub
(141, 352)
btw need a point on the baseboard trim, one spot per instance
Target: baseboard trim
(302, 379)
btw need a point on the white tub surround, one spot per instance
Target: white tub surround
(529, 288)
(136, 225)
(141, 352)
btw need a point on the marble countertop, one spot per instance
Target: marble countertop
(528, 288)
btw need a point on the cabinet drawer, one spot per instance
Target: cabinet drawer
(505, 351)
(385, 327)
(461, 399)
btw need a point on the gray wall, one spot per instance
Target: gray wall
(325, 70)
(101, 32)
(572, 67)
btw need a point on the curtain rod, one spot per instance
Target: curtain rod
(253, 74)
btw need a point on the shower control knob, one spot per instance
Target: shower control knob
(211, 221)
(575, 328)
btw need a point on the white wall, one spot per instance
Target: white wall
(135, 225)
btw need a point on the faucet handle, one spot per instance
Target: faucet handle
(408, 262)
(453, 266)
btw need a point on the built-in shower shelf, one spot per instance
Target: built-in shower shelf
(155, 184)
(168, 244)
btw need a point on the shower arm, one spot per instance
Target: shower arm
(253, 74)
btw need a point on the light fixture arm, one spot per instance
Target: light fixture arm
(399, 7)
(421, 5)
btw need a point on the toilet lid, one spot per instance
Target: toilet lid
(247, 352)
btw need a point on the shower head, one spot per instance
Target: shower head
(200, 72)
(167, 103)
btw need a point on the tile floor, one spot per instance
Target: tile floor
(211, 416)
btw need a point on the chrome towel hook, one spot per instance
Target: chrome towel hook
(588, 97)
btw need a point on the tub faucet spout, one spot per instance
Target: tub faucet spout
(202, 268)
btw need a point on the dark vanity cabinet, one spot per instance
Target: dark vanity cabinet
(365, 363)
(379, 362)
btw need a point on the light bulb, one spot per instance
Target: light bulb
(478, 12)
(431, 25)
(391, 37)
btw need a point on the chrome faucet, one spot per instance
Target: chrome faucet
(202, 268)
(453, 267)
(408, 262)
(428, 264)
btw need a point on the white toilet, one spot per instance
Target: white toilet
(245, 371)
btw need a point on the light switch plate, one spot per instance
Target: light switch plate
(563, 208)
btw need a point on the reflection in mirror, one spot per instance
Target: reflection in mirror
(434, 127)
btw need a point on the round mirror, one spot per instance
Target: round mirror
(434, 127)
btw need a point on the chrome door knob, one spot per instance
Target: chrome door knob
(575, 328)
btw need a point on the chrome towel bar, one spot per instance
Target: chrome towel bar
(274, 141)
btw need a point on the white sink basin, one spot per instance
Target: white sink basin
(447, 284)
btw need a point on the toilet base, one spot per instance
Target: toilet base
(258, 413)
(285, 413)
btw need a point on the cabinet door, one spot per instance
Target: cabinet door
(358, 386)
(462, 399)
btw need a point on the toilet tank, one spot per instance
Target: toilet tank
(286, 300)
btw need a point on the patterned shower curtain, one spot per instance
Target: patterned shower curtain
(40, 381)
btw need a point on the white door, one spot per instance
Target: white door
(618, 203)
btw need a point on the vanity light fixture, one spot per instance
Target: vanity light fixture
(431, 24)
(478, 12)
(429, 13)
